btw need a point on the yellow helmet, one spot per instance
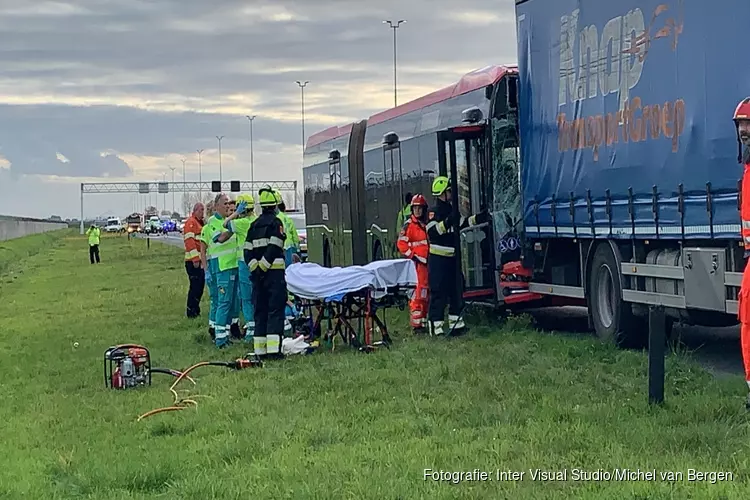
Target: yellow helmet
(278, 196)
(248, 199)
(267, 198)
(440, 185)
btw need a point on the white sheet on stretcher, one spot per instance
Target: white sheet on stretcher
(311, 281)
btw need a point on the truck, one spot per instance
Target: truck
(629, 171)
(134, 223)
(607, 159)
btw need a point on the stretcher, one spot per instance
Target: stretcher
(345, 296)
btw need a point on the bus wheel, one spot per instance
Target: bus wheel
(377, 251)
(612, 317)
(326, 254)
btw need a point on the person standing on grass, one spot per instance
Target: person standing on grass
(193, 267)
(239, 223)
(208, 263)
(223, 246)
(94, 234)
(742, 124)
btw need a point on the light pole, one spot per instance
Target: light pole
(173, 169)
(164, 198)
(184, 186)
(252, 166)
(394, 26)
(219, 138)
(200, 175)
(302, 89)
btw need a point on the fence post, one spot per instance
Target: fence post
(657, 332)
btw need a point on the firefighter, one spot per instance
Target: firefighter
(196, 275)
(412, 243)
(742, 122)
(223, 248)
(239, 223)
(264, 255)
(442, 267)
(208, 263)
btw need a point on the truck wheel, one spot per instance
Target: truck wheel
(613, 319)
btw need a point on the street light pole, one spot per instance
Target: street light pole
(302, 89)
(252, 165)
(184, 187)
(164, 198)
(219, 138)
(394, 26)
(173, 169)
(200, 175)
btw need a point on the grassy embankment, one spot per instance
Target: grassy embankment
(330, 425)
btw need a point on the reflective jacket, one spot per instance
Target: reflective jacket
(402, 217)
(191, 234)
(292, 238)
(225, 253)
(94, 233)
(745, 207)
(264, 246)
(441, 229)
(412, 241)
(241, 227)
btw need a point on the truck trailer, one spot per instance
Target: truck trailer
(629, 172)
(607, 159)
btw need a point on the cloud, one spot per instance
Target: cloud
(123, 90)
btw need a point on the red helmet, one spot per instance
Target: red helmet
(418, 200)
(741, 112)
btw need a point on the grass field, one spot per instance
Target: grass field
(335, 424)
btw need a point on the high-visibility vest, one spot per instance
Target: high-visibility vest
(225, 253)
(292, 238)
(240, 227)
(402, 217)
(412, 241)
(745, 207)
(191, 234)
(94, 233)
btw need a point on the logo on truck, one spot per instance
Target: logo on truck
(613, 64)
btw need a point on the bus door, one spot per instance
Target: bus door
(336, 248)
(392, 195)
(464, 156)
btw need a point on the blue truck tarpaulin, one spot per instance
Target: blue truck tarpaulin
(620, 103)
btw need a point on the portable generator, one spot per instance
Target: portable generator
(127, 366)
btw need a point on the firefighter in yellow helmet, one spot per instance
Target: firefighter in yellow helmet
(442, 266)
(264, 256)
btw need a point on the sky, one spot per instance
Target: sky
(120, 91)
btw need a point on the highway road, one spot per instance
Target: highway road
(717, 349)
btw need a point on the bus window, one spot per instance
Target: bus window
(464, 188)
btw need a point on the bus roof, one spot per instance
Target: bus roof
(469, 82)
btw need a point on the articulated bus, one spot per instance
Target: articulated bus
(356, 176)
